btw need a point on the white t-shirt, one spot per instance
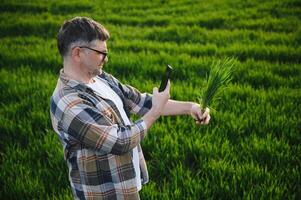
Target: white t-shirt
(105, 91)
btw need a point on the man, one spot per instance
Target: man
(90, 111)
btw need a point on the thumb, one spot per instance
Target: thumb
(200, 115)
(155, 90)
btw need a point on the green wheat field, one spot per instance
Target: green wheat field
(250, 150)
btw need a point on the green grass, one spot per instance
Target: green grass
(251, 148)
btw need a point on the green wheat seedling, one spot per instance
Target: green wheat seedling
(219, 77)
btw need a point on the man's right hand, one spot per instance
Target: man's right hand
(159, 100)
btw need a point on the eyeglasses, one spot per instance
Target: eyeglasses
(105, 54)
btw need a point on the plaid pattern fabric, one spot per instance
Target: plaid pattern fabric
(97, 145)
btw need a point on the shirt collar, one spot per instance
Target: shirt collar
(71, 82)
(78, 85)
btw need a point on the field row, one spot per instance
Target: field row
(258, 51)
(177, 34)
(272, 53)
(47, 26)
(172, 8)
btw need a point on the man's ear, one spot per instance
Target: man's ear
(75, 54)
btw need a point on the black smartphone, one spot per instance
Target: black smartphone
(165, 78)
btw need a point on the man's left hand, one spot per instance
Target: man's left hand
(200, 117)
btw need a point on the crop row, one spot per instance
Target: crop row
(195, 35)
(225, 19)
(239, 9)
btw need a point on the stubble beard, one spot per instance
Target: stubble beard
(97, 71)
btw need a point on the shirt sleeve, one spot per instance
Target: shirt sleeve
(94, 130)
(137, 103)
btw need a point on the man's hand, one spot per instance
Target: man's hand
(198, 115)
(159, 101)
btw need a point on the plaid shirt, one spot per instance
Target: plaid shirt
(97, 144)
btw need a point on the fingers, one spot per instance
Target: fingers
(204, 118)
(196, 112)
(200, 115)
(159, 99)
(206, 121)
(207, 110)
(155, 90)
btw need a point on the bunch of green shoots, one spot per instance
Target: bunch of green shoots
(219, 77)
